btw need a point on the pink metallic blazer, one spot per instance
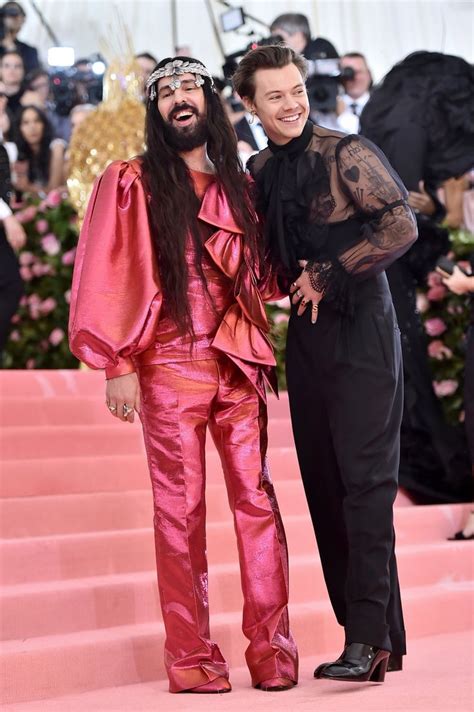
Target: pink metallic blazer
(116, 295)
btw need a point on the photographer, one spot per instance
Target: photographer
(14, 17)
(357, 92)
(294, 30)
(322, 83)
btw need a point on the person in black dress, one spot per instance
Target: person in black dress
(333, 205)
(422, 117)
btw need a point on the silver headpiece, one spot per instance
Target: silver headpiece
(174, 69)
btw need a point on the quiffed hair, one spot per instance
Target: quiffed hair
(266, 57)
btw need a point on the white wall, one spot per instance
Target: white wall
(385, 30)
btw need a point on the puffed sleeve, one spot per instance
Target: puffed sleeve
(372, 184)
(115, 295)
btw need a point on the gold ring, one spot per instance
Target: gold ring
(315, 307)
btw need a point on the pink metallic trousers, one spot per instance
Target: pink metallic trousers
(179, 402)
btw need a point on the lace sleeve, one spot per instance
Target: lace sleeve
(376, 189)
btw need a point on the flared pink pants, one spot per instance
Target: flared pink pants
(179, 402)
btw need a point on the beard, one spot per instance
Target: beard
(187, 138)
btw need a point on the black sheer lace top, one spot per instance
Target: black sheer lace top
(335, 201)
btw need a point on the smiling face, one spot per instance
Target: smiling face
(183, 110)
(281, 102)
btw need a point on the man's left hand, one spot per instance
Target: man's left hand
(301, 289)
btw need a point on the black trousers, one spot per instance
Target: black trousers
(346, 396)
(11, 288)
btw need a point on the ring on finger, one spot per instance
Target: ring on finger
(126, 410)
(112, 408)
(303, 302)
(315, 307)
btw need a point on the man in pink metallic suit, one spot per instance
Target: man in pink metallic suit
(168, 297)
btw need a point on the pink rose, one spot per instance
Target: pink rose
(50, 244)
(26, 274)
(42, 225)
(47, 306)
(26, 258)
(23, 301)
(37, 269)
(15, 319)
(434, 279)
(437, 293)
(280, 318)
(30, 363)
(67, 296)
(56, 336)
(435, 326)
(34, 299)
(438, 350)
(15, 335)
(68, 257)
(53, 199)
(445, 388)
(422, 303)
(35, 311)
(27, 214)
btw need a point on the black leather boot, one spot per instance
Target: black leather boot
(395, 663)
(358, 663)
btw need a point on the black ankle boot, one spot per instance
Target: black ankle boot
(395, 663)
(358, 663)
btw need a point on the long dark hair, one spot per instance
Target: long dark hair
(174, 205)
(38, 163)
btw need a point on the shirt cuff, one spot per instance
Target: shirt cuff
(124, 366)
(5, 211)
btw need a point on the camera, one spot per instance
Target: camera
(322, 84)
(72, 87)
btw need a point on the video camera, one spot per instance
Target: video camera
(324, 75)
(72, 86)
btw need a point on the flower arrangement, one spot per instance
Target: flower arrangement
(38, 338)
(446, 320)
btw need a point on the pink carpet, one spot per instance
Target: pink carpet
(80, 622)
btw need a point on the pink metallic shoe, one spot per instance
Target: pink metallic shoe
(275, 684)
(215, 687)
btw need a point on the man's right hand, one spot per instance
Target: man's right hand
(123, 391)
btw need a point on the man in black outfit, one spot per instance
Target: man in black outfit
(333, 205)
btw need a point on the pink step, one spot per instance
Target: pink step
(78, 440)
(65, 385)
(428, 684)
(119, 551)
(53, 665)
(57, 607)
(100, 511)
(110, 473)
(86, 410)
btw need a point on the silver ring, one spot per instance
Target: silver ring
(112, 408)
(299, 294)
(126, 410)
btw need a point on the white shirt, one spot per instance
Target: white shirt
(349, 120)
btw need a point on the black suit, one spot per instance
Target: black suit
(244, 133)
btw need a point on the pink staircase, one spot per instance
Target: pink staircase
(79, 604)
